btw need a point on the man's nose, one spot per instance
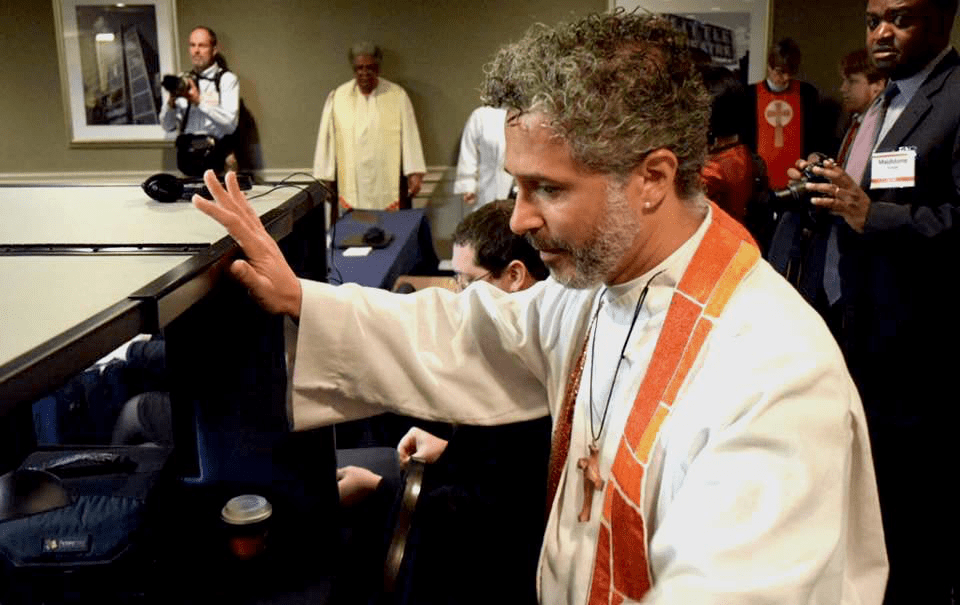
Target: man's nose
(883, 30)
(525, 216)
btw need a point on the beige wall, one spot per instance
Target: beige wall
(289, 55)
(825, 30)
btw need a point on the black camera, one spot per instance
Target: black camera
(178, 85)
(796, 192)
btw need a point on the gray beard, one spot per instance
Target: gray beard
(594, 261)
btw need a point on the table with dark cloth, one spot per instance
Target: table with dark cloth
(410, 252)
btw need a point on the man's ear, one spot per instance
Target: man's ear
(653, 179)
(516, 277)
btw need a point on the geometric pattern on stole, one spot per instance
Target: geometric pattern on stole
(725, 256)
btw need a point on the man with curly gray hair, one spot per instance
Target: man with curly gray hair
(612, 103)
(704, 449)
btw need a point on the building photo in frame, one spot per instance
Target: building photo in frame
(733, 33)
(113, 57)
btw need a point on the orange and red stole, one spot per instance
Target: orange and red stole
(724, 257)
(779, 130)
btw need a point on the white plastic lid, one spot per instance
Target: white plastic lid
(246, 509)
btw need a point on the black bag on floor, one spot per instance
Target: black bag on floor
(77, 521)
(197, 153)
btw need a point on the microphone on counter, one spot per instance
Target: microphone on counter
(166, 188)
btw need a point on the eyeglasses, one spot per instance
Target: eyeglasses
(464, 280)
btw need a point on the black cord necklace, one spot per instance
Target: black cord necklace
(595, 433)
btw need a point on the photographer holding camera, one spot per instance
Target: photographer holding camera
(887, 287)
(203, 105)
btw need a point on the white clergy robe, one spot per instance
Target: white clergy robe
(761, 486)
(480, 164)
(365, 141)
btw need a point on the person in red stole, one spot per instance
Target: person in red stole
(785, 124)
(730, 175)
(708, 443)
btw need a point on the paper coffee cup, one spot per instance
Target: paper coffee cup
(246, 518)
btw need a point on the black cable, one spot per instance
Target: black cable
(595, 435)
(332, 269)
(274, 188)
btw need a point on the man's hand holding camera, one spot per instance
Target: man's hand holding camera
(841, 195)
(192, 94)
(185, 86)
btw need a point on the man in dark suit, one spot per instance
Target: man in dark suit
(893, 262)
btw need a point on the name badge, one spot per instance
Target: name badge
(210, 97)
(893, 169)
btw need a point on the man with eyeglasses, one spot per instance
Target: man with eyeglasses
(484, 249)
(467, 498)
(891, 268)
(368, 141)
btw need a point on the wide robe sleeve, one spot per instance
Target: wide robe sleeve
(325, 155)
(478, 357)
(412, 151)
(468, 162)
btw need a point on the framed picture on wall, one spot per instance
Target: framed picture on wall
(732, 32)
(113, 57)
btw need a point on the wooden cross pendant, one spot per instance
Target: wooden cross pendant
(590, 465)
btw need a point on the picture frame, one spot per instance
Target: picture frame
(716, 26)
(112, 58)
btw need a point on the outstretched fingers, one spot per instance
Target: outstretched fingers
(265, 272)
(231, 209)
(239, 198)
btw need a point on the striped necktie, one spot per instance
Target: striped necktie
(848, 140)
(860, 150)
(863, 144)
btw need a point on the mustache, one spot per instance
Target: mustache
(546, 243)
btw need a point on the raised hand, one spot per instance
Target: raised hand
(265, 272)
(414, 183)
